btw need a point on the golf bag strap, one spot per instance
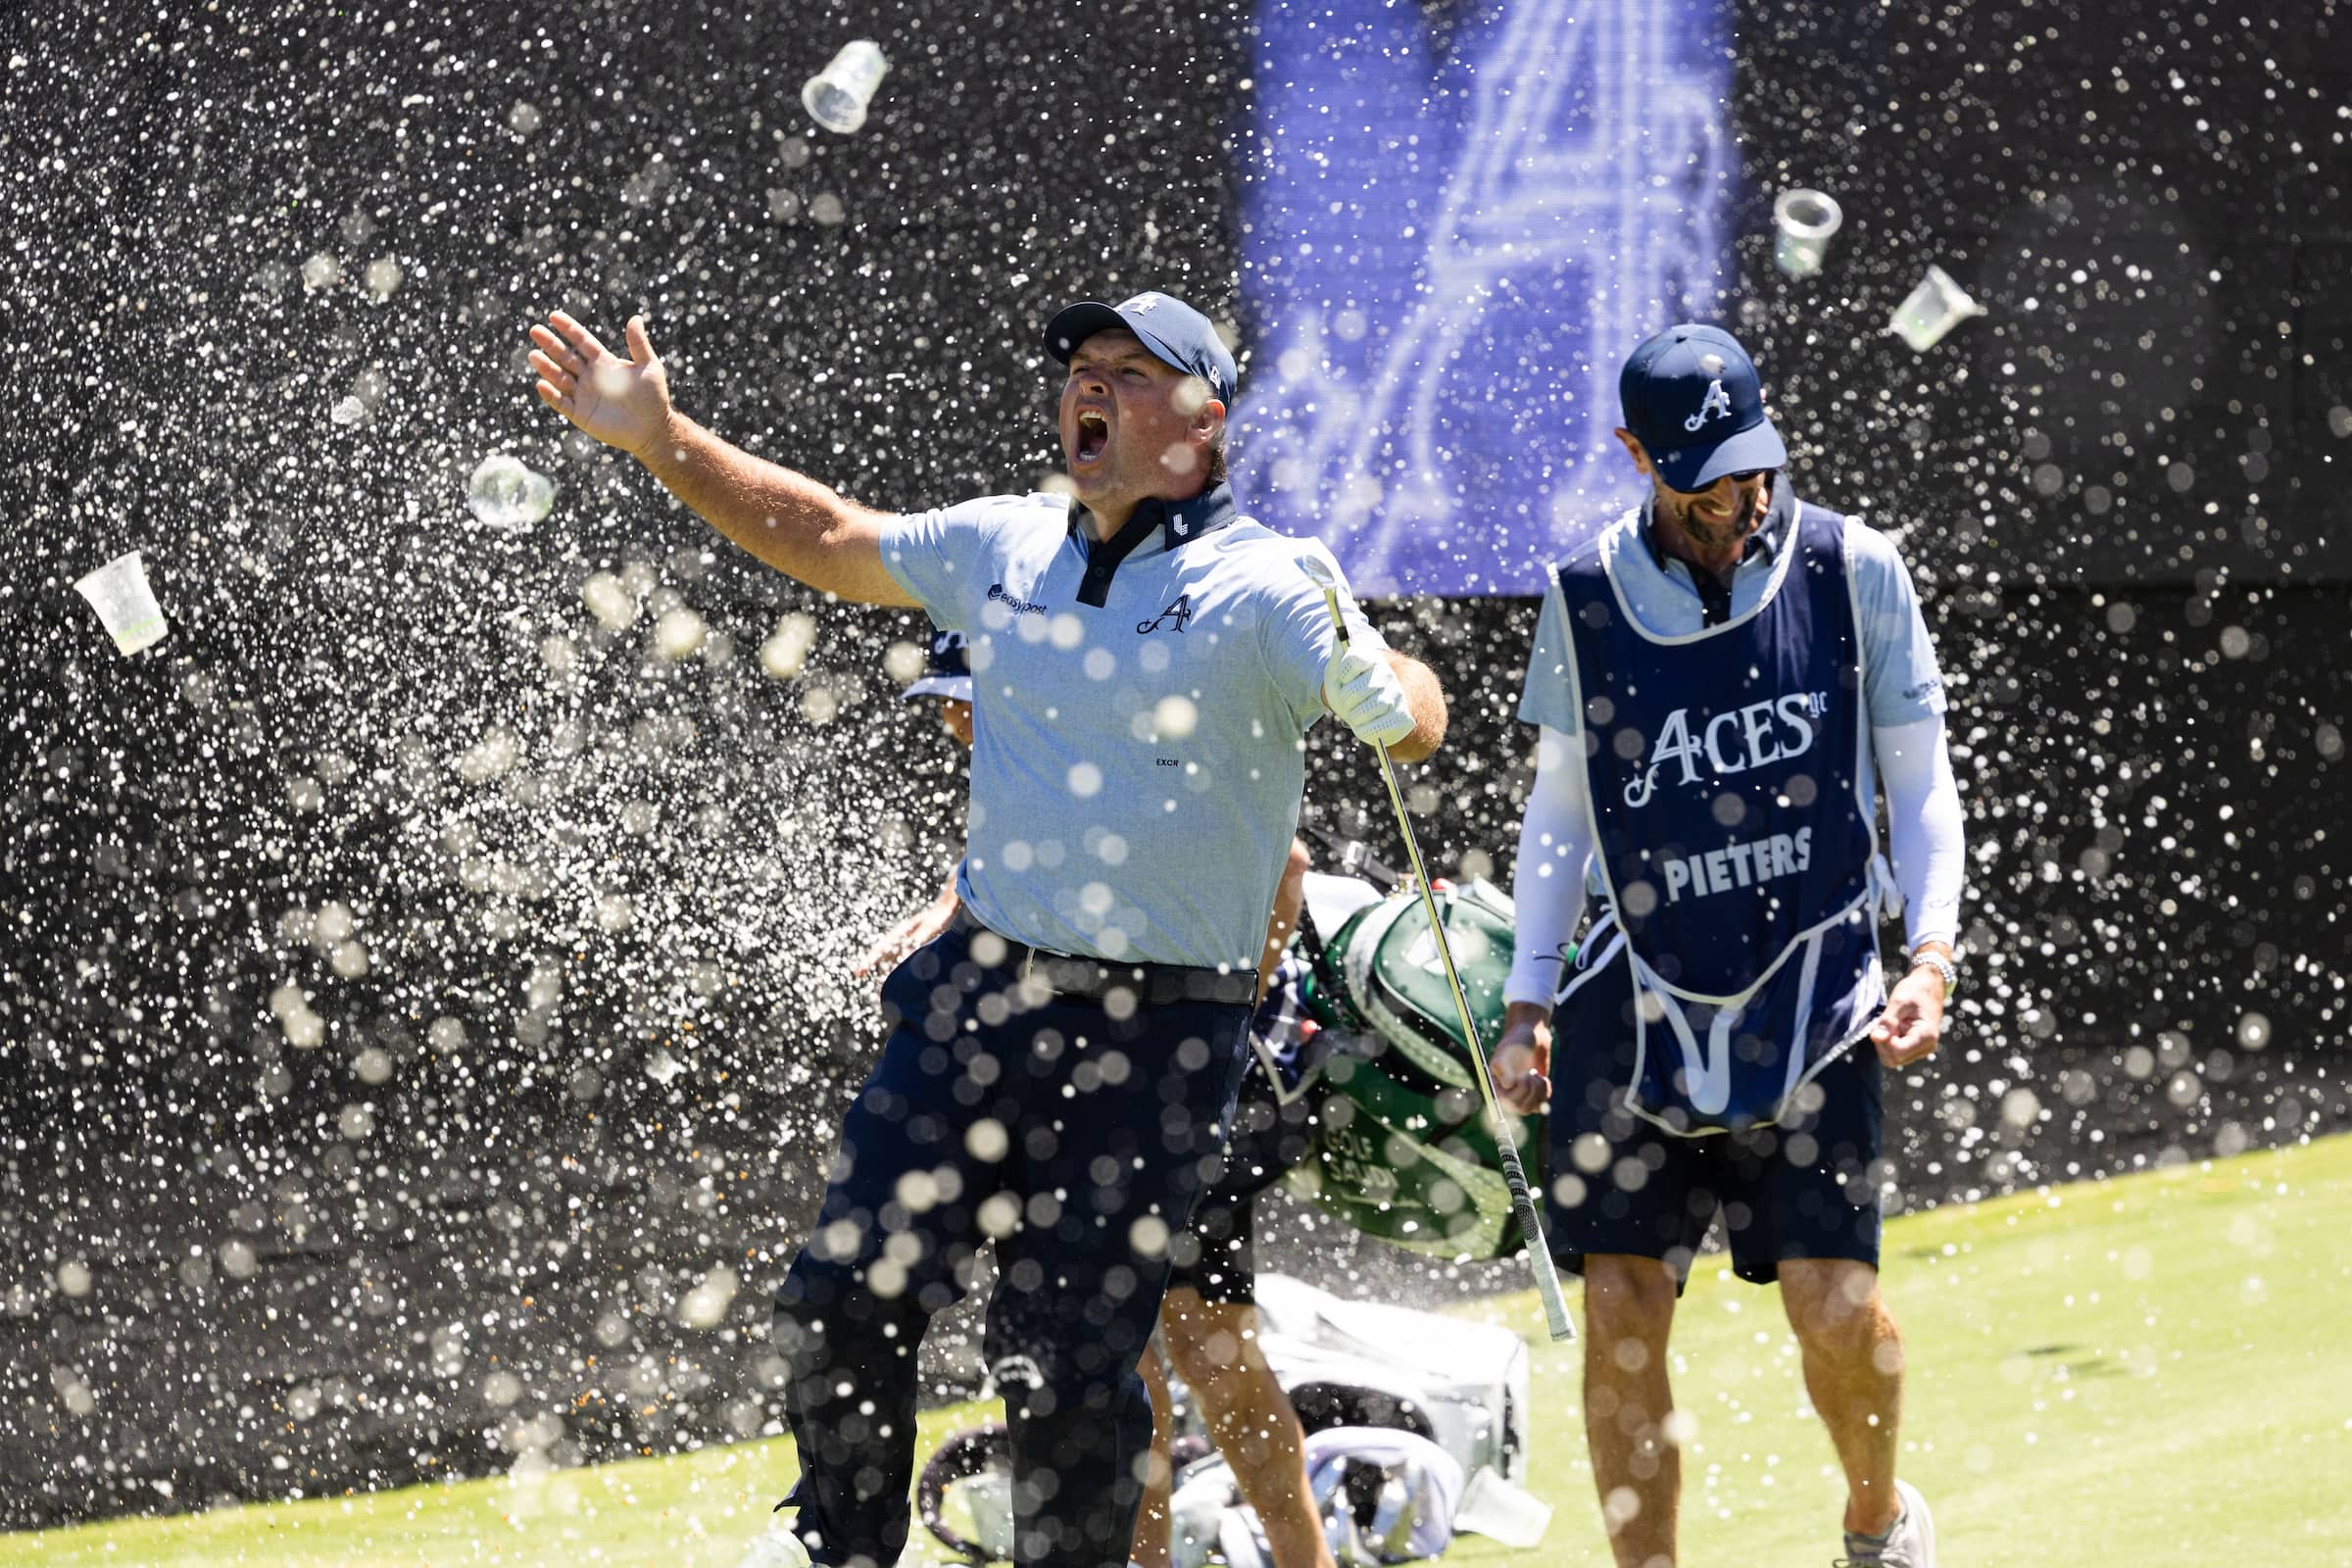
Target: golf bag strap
(1327, 977)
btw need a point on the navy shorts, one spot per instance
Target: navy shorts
(1806, 1188)
(1218, 1260)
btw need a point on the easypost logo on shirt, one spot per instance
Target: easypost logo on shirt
(1778, 729)
(1014, 602)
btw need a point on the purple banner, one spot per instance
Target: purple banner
(1457, 222)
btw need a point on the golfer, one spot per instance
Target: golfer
(1271, 1125)
(1728, 681)
(1145, 664)
(946, 679)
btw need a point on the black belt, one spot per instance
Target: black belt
(1152, 985)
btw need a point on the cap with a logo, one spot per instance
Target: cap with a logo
(1171, 329)
(1693, 400)
(947, 670)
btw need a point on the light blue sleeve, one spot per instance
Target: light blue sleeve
(1905, 682)
(1298, 637)
(1547, 699)
(942, 557)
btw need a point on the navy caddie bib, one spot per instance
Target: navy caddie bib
(1724, 772)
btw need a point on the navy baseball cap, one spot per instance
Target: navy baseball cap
(947, 670)
(1693, 400)
(1170, 328)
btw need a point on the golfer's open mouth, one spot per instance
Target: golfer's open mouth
(1093, 435)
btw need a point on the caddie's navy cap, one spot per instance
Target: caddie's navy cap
(947, 670)
(1693, 400)
(1170, 328)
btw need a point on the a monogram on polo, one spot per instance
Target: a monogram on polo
(1138, 706)
(1178, 613)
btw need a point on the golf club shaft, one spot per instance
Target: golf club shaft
(1522, 1203)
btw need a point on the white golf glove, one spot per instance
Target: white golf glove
(1364, 692)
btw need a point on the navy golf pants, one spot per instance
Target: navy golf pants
(1077, 1141)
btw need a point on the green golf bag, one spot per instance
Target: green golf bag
(1404, 1150)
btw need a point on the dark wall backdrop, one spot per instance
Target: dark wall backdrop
(422, 1006)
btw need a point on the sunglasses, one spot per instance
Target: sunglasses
(1743, 476)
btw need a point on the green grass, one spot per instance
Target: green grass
(2152, 1370)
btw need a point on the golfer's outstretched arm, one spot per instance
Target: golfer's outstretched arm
(801, 527)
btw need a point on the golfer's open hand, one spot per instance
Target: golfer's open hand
(1364, 692)
(1522, 1057)
(1912, 1026)
(622, 403)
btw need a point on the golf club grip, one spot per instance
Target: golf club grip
(1539, 1247)
(1339, 622)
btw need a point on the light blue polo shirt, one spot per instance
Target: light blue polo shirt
(1137, 763)
(1901, 681)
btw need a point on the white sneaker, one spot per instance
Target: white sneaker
(779, 1548)
(1910, 1543)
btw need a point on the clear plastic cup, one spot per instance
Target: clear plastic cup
(504, 493)
(118, 592)
(837, 96)
(1495, 1508)
(1803, 221)
(1934, 309)
(985, 1502)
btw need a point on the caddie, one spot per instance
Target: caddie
(1729, 683)
(1145, 664)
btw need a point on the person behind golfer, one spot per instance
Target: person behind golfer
(947, 681)
(1728, 680)
(1146, 664)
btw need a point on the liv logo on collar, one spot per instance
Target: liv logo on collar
(1717, 406)
(1179, 612)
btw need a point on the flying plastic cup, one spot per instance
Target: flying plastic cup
(1804, 220)
(506, 494)
(1494, 1507)
(836, 96)
(120, 593)
(987, 1498)
(1934, 309)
